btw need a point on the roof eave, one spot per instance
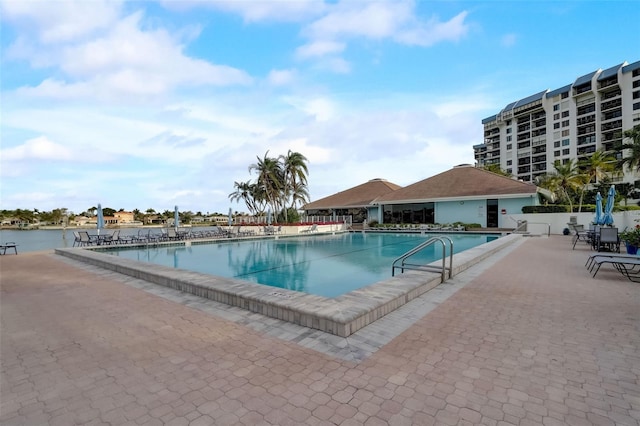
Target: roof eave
(461, 198)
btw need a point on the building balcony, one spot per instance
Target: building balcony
(607, 83)
(611, 125)
(611, 115)
(611, 104)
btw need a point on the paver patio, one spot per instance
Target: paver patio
(532, 339)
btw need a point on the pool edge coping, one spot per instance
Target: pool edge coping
(341, 316)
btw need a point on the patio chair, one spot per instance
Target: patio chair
(76, 238)
(172, 235)
(586, 236)
(85, 239)
(608, 240)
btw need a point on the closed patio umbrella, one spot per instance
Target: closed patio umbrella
(269, 217)
(176, 218)
(100, 220)
(607, 218)
(598, 219)
(230, 217)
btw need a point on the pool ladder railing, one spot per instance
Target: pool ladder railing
(444, 270)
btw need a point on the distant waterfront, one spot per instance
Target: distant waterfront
(52, 238)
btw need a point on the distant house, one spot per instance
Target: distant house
(354, 201)
(463, 194)
(153, 219)
(123, 217)
(80, 220)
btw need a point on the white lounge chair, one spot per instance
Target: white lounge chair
(312, 228)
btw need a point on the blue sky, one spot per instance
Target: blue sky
(155, 104)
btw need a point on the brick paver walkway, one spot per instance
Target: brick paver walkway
(532, 340)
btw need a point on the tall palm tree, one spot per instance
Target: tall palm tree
(632, 160)
(294, 166)
(595, 168)
(270, 181)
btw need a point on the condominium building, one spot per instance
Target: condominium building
(571, 122)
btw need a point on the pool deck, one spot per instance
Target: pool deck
(525, 337)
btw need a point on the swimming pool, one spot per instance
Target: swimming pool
(329, 265)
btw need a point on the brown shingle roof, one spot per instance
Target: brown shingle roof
(461, 181)
(358, 196)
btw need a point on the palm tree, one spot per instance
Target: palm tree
(566, 177)
(246, 191)
(495, 168)
(632, 160)
(595, 168)
(270, 181)
(295, 170)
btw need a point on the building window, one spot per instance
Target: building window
(509, 162)
(565, 133)
(636, 106)
(556, 107)
(508, 138)
(556, 116)
(565, 114)
(508, 146)
(565, 123)
(556, 125)
(565, 151)
(556, 144)
(508, 122)
(566, 142)
(565, 95)
(509, 130)
(556, 153)
(509, 170)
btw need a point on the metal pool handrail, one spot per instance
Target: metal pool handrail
(411, 266)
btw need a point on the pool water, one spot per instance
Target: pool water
(327, 266)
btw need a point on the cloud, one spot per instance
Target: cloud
(39, 148)
(61, 21)
(434, 31)
(398, 21)
(319, 48)
(281, 77)
(123, 60)
(374, 20)
(257, 11)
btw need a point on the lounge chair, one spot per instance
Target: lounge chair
(8, 245)
(312, 228)
(629, 266)
(591, 259)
